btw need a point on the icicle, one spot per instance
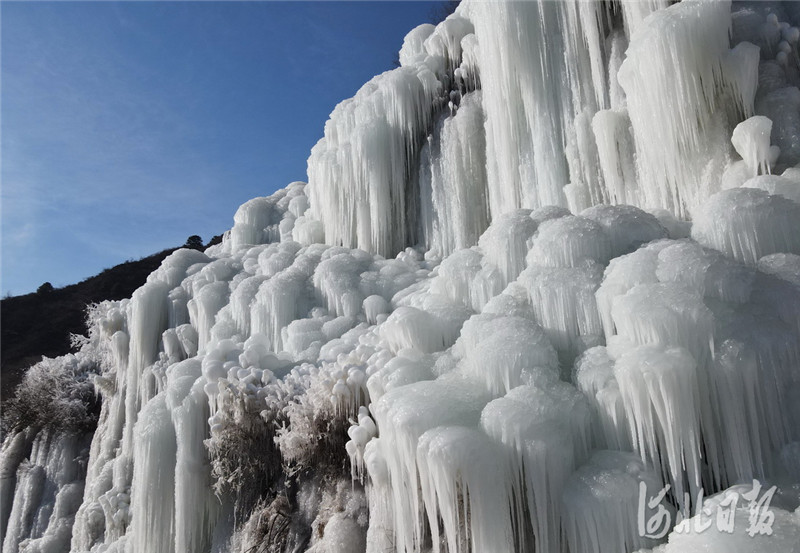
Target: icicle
(147, 319)
(203, 309)
(453, 175)
(195, 504)
(544, 432)
(505, 352)
(507, 241)
(563, 300)
(361, 183)
(764, 348)
(153, 501)
(278, 302)
(241, 299)
(526, 166)
(463, 483)
(48, 491)
(747, 224)
(675, 80)
(751, 140)
(403, 415)
(746, 447)
(635, 11)
(14, 450)
(594, 377)
(616, 153)
(660, 391)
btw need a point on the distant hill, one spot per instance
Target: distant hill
(39, 324)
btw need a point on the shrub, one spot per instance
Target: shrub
(56, 394)
(244, 459)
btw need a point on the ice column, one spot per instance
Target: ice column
(677, 91)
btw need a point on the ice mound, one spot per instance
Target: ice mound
(600, 503)
(784, 266)
(568, 241)
(748, 223)
(506, 352)
(627, 227)
(507, 242)
(776, 185)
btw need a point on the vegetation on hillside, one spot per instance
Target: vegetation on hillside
(40, 324)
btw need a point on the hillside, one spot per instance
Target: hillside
(40, 324)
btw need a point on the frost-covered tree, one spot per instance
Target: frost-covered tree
(56, 394)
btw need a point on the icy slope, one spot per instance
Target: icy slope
(542, 271)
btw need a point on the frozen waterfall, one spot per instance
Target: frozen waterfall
(541, 293)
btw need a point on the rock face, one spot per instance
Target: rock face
(531, 299)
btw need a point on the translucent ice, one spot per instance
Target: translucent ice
(544, 432)
(601, 503)
(659, 388)
(751, 140)
(748, 223)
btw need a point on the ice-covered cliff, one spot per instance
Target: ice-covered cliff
(541, 293)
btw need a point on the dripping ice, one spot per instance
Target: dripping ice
(496, 312)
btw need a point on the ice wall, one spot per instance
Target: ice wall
(48, 492)
(363, 174)
(582, 103)
(530, 279)
(454, 209)
(680, 58)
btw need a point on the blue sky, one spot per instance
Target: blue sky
(127, 127)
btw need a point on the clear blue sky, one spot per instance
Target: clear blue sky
(127, 127)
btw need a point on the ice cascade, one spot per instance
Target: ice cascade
(541, 293)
